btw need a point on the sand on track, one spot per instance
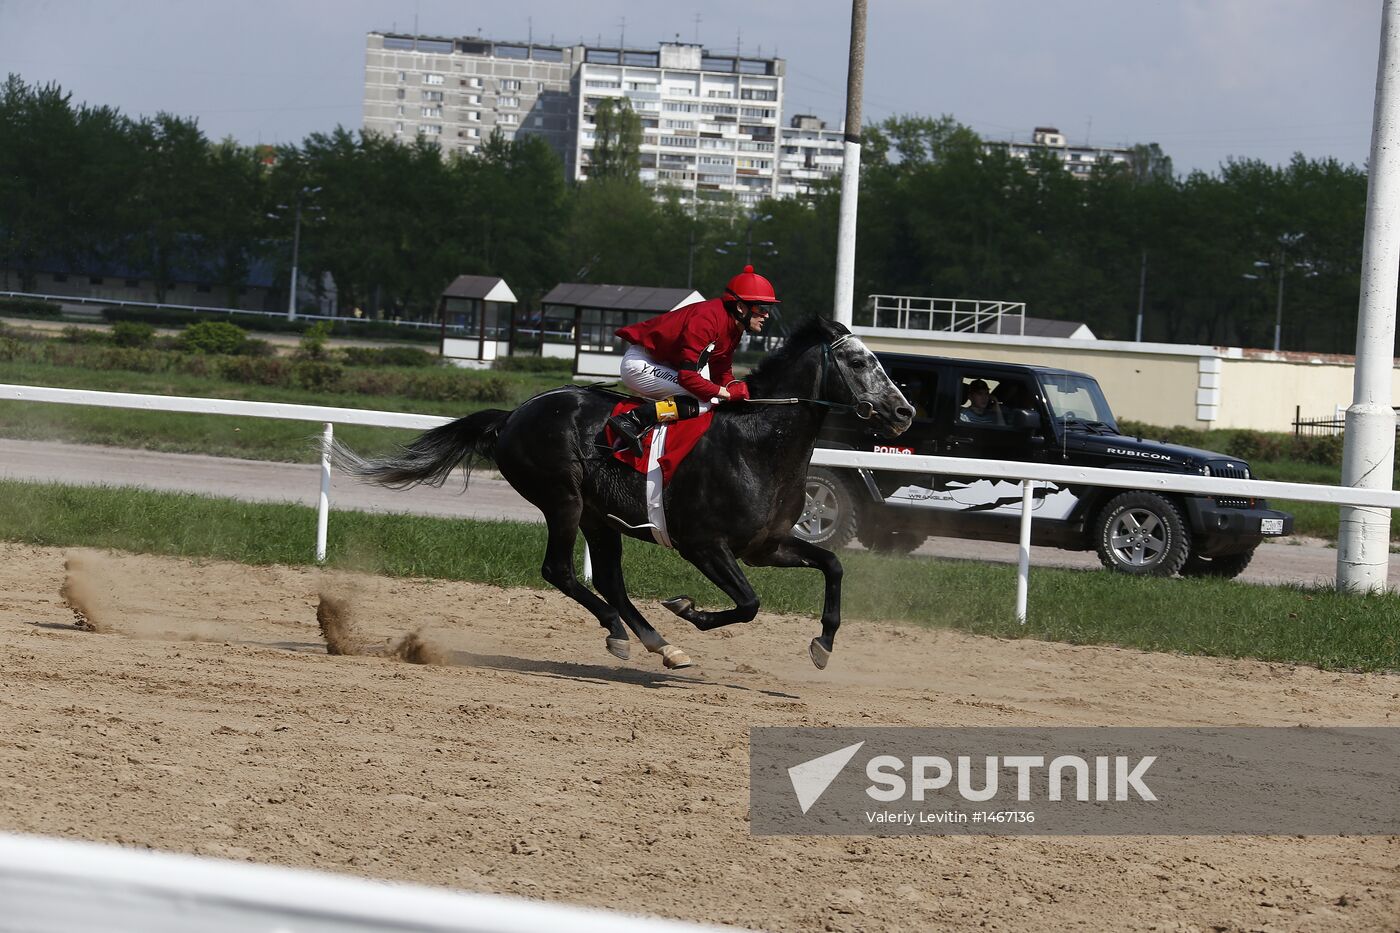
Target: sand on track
(209, 718)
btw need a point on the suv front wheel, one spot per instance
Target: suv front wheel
(828, 511)
(1143, 534)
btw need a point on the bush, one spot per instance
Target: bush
(318, 375)
(252, 370)
(29, 307)
(254, 347)
(213, 337)
(563, 366)
(389, 356)
(276, 324)
(75, 334)
(133, 334)
(313, 341)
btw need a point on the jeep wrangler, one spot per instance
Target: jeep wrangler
(1041, 415)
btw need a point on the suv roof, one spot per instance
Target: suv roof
(917, 358)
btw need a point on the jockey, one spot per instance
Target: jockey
(669, 352)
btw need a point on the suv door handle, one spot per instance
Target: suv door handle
(955, 440)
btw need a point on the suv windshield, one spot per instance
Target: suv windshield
(1077, 400)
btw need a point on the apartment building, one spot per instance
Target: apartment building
(1080, 160)
(709, 122)
(808, 154)
(456, 91)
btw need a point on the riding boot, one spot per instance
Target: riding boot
(633, 425)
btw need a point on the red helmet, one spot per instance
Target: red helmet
(750, 286)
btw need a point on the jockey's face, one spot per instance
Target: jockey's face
(759, 315)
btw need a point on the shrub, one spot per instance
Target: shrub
(318, 375)
(29, 307)
(74, 334)
(254, 347)
(563, 366)
(273, 371)
(313, 341)
(133, 334)
(213, 337)
(389, 356)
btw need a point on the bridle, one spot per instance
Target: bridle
(862, 408)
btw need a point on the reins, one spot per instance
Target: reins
(862, 410)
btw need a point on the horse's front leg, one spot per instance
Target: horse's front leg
(794, 552)
(717, 563)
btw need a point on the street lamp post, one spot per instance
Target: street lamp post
(296, 249)
(1285, 241)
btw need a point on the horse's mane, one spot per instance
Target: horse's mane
(813, 331)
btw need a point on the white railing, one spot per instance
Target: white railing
(1027, 474)
(959, 315)
(61, 886)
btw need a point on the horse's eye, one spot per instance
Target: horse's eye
(857, 363)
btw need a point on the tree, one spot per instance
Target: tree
(617, 141)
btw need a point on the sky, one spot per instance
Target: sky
(1205, 79)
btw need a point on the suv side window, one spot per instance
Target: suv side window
(991, 417)
(920, 387)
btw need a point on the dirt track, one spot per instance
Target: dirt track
(209, 718)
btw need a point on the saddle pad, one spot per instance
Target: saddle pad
(681, 437)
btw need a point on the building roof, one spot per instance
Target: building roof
(485, 287)
(620, 297)
(1044, 327)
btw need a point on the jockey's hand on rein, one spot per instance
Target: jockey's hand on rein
(738, 391)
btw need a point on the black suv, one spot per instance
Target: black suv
(1002, 411)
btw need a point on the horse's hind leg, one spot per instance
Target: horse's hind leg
(558, 569)
(605, 544)
(794, 552)
(723, 571)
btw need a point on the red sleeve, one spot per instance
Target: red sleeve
(722, 366)
(695, 341)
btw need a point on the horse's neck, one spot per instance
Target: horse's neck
(792, 429)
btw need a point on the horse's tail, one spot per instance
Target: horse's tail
(431, 456)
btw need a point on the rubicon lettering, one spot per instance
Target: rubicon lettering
(1079, 781)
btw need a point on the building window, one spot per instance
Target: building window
(507, 118)
(473, 132)
(474, 115)
(473, 98)
(507, 102)
(398, 127)
(432, 79)
(510, 84)
(473, 82)
(430, 129)
(432, 111)
(403, 76)
(399, 93)
(432, 95)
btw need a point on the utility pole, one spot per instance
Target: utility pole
(1142, 295)
(850, 170)
(296, 245)
(1368, 455)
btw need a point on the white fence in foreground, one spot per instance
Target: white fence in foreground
(58, 886)
(1027, 474)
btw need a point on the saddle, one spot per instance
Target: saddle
(680, 438)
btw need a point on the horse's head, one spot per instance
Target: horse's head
(854, 376)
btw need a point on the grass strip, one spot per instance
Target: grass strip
(1306, 625)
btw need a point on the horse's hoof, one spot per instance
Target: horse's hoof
(820, 656)
(619, 648)
(674, 658)
(680, 605)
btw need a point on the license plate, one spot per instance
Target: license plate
(1271, 526)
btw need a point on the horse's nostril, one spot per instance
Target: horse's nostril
(904, 412)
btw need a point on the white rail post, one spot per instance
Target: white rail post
(1023, 569)
(1368, 455)
(323, 508)
(850, 171)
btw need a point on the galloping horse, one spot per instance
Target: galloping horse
(735, 496)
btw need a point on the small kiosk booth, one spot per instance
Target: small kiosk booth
(579, 320)
(476, 313)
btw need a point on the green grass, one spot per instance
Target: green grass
(1297, 625)
(216, 435)
(1314, 519)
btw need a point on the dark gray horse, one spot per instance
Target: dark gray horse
(735, 497)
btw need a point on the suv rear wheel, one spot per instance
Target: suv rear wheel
(828, 511)
(1141, 533)
(1225, 567)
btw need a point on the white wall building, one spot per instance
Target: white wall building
(456, 91)
(808, 154)
(1080, 160)
(709, 122)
